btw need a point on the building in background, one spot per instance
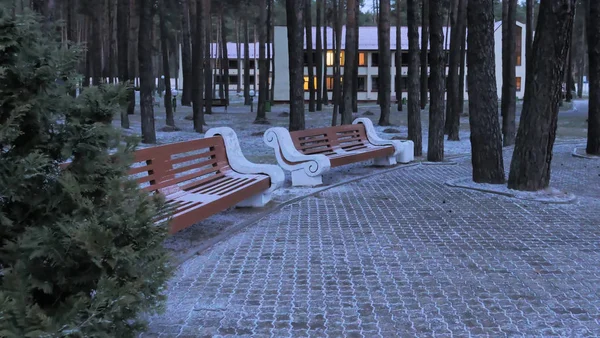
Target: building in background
(368, 58)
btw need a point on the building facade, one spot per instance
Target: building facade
(368, 58)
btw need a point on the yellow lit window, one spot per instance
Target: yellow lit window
(518, 84)
(362, 59)
(306, 83)
(329, 58)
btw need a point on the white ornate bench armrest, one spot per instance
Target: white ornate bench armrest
(290, 158)
(238, 161)
(404, 149)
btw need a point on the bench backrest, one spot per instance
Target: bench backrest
(328, 140)
(180, 166)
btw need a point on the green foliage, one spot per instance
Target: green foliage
(79, 252)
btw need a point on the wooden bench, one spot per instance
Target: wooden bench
(310, 153)
(202, 177)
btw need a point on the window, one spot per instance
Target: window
(233, 79)
(329, 58)
(306, 83)
(233, 64)
(374, 84)
(362, 83)
(252, 82)
(518, 50)
(518, 84)
(251, 64)
(305, 58)
(362, 59)
(330, 83)
(405, 59)
(375, 59)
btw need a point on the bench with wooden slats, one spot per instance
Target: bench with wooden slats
(310, 153)
(202, 177)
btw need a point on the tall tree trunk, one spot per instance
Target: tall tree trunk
(134, 22)
(569, 73)
(463, 59)
(186, 54)
(350, 55)
(337, 88)
(424, 50)
(112, 48)
(593, 32)
(435, 151)
(225, 56)
(509, 62)
(96, 46)
(309, 52)
(269, 49)
(486, 141)
(208, 75)
(398, 60)
(272, 51)
(123, 65)
(263, 64)
(414, 112)
(325, 96)
(356, 47)
(198, 68)
(247, 98)
(146, 74)
(385, 62)
(453, 109)
(295, 24)
(528, 33)
(530, 166)
(164, 43)
(238, 48)
(319, 55)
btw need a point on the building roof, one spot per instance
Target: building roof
(232, 50)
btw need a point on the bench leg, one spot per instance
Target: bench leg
(299, 179)
(385, 161)
(256, 201)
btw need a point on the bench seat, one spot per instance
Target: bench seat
(310, 153)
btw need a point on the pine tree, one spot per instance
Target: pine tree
(80, 255)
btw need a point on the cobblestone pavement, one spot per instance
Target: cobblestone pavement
(401, 254)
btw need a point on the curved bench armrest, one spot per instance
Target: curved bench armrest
(375, 140)
(290, 158)
(240, 163)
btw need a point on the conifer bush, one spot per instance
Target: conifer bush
(80, 255)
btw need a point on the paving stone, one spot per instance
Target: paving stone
(384, 256)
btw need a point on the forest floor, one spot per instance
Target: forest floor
(201, 236)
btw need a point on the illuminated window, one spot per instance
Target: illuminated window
(342, 58)
(306, 83)
(362, 59)
(518, 84)
(329, 58)
(330, 83)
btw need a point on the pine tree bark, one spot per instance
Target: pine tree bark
(453, 108)
(350, 56)
(186, 54)
(225, 57)
(509, 63)
(164, 44)
(398, 59)
(414, 111)
(295, 24)
(146, 74)
(309, 56)
(569, 73)
(385, 58)
(593, 32)
(325, 95)
(269, 49)
(337, 88)
(198, 69)
(356, 47)
(424, 51)
(208, 74)
(435, 152)
(123, 54)
(528, 33)
(530, 166)
(272, 51)
(319, 55)
(462, 77)
(247, 98)
(263, 64)
(486, 140)
(134, 22)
